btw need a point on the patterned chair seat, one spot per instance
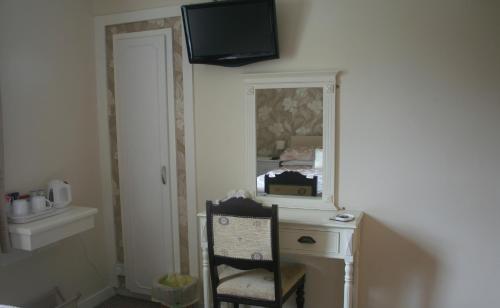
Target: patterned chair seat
(258, 283)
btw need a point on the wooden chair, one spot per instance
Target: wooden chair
(243, 250)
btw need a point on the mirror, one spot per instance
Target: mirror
(291, 137)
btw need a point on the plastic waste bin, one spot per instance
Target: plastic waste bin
(175, 290)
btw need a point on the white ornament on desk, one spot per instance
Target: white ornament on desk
(344, 217)
(241, 193)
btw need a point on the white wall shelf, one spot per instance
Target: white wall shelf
(36, 234)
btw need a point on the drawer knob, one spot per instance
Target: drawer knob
(306, 240)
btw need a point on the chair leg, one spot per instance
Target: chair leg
(300, 296)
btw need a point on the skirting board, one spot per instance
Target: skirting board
(97, 298)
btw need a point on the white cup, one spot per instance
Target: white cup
(40, 204)
(20, 207)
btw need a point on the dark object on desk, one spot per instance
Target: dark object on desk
(238, 236)
(291, 183)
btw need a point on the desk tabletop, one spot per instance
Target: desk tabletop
(314, 217)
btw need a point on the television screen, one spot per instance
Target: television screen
(231, 33)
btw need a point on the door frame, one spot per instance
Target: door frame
(100, 23)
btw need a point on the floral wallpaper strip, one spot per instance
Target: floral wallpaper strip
(286, 112)
(173, 23)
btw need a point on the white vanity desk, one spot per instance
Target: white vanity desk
(330, 239)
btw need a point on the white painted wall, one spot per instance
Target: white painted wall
(47, 84)
(420, 150)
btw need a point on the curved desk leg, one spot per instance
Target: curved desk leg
(349, 277)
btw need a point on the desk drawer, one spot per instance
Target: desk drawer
(313, 241)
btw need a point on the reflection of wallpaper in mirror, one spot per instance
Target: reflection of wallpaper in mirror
(282, 113)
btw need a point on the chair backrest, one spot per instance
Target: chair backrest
(243, 234)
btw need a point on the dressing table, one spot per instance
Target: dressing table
(312, 233)
(297, 109)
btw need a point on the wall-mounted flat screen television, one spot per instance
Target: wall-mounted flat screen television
(231, 33)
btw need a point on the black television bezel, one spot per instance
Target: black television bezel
(236, 59)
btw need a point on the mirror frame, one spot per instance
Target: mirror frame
(324, 80)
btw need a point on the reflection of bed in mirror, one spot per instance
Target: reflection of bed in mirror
(300, 177)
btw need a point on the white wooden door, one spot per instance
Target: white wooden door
(144, 107)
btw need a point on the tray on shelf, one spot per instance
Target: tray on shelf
(35, 216)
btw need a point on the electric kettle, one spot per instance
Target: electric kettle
(59, 193)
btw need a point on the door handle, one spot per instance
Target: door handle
(164, 175)
(306, 240)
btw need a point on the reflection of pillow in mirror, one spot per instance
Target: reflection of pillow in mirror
(318, 158)
(298, 153)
